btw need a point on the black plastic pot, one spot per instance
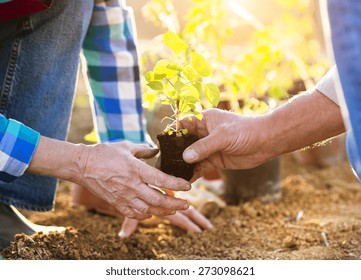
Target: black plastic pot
(262, 183)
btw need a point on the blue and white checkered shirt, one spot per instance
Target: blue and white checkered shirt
(113, 69)
(17, 145)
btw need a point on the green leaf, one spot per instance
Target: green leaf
(201, 65)
(190, 73)
(149, 99)
(277, 92)
(190, 91)
(175, 43)
(149, 76)
(161, 68)
(191, 105)
(199, 87)
(190, 101)
(155, 85)
(91, 137)
(174, 95)
(174, 66)
(179, 85)
(158, 77)
(212, 93)
(166, 102)
(185, 109)
(198, 115)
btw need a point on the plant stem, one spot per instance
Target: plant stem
(170, 83)
(176, 109)
(176, 125)
(177, 117)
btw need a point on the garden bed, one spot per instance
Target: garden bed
(330, 227)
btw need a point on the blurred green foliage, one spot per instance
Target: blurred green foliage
(264, 69)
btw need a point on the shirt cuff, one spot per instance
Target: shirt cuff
(17, 146)
(327, 85)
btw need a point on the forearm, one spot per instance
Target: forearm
(59, 159)
(303, 121)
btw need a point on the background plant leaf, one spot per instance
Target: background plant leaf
(176, 44)
(155, 85)
(212, 93)
(161, 68)
(201, 65)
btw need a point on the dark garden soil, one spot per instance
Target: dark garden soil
(330, 227)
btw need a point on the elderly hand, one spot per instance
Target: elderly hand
(227, 141)
(114, 172)
(189, 220)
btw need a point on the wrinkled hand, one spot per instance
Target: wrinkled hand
(227, 141)
(115, 173)
(189, 220)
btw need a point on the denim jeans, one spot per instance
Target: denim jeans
(345, 21)
(39, 58)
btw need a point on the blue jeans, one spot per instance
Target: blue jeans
(39, 58)
(345, 21)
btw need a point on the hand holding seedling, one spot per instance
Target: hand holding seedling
(123, 180)
(237, 142)
(114, 172)
(227, 140)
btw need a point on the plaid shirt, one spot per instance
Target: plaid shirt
(113, 71)
(17, 145)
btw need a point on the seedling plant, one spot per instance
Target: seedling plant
(180, 83)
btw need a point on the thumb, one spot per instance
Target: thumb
(145, 152)
(201, 150)
(128, 228)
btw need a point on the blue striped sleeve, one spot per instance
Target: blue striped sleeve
(17, 146)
